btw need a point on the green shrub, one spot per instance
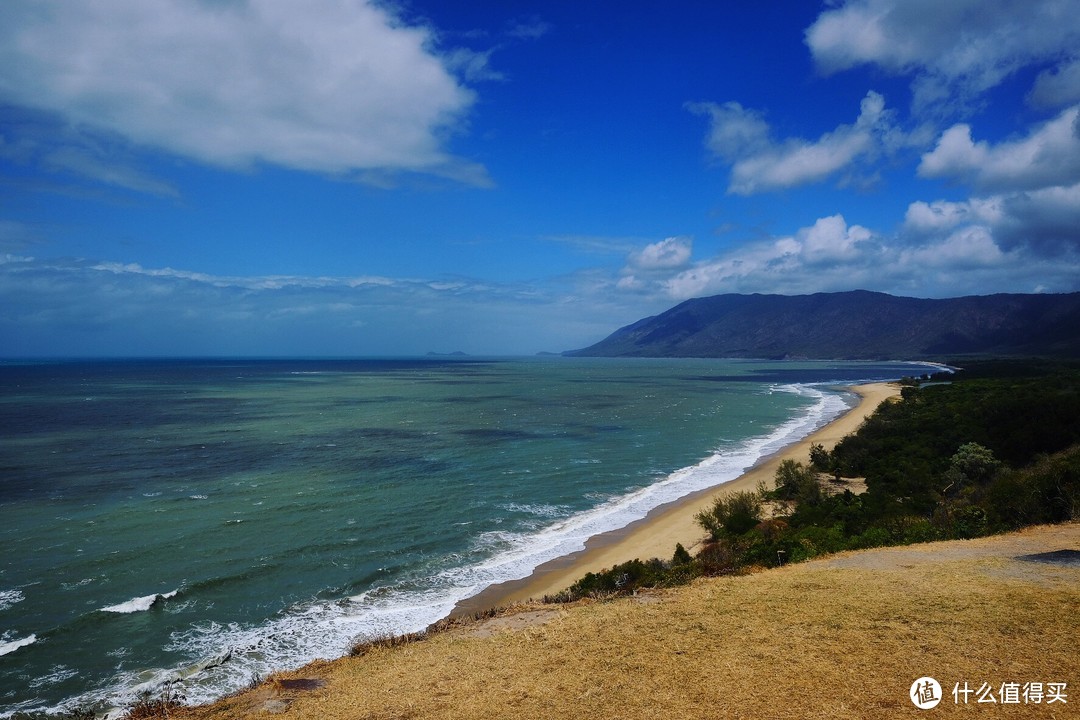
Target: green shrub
(794, 481)
(719, 558)
(731, 515)
(820, 458)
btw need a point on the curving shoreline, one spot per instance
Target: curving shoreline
(657, 534)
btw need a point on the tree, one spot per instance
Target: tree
(731, 515)
(794, 481)
(974, 464)
(820, 458)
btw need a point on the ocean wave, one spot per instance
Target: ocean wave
(57, 675)
(538, 510)
(326, 629)
(9, 598)
(140, 604)
(12, 646)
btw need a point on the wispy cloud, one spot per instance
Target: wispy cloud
(759, 163)
(529, 28)
(107, 308)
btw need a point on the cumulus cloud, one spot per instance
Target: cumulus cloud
(669, 253)
(944, 249)
(826, 255)
(1045, 222)
(926, 218)
(1048, 156)
(644, 267)
(742, 138)
(336, 87)
(830, 240)
(955, 50)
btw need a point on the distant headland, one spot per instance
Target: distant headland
(855, 325)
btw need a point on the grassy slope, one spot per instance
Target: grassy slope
(840, 637)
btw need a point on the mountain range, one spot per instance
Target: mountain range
(853, 325)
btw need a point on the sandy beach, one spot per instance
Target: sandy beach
(657, 534)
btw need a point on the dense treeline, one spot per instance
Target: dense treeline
(992, 448)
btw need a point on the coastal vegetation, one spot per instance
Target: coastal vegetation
(992, 448)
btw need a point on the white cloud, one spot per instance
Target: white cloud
(969, 247)
(669, 253)
(735, 131)
(927, 218)
(956, 50)
(830, 240)
(944, 249)
(337, 86)
(1048, 156)
(827, 255)
(1043, 223)
(742, 138)
(473, 65)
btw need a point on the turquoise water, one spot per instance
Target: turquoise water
(217, 520)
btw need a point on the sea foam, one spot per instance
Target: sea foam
(9, 598)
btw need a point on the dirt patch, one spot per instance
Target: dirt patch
(508, 623)
(833, 486)
(299, 684)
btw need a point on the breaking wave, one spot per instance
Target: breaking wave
(140, 604)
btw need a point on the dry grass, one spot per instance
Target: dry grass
(842, 637)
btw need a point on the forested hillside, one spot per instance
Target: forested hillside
(853, 325)
(993, 448)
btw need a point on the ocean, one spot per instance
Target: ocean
(212, 521)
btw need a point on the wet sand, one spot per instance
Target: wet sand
(657, 534)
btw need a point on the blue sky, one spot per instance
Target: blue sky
(254, 177)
